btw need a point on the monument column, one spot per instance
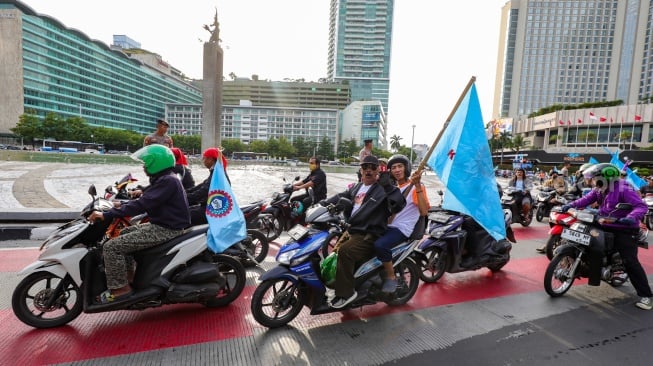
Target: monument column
(212, 87)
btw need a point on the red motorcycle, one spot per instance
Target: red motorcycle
(557, 220)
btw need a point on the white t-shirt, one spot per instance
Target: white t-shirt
(360, 195)
(405, 220)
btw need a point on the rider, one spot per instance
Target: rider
(182, 169)
(556, 182)
(373, 203)
(317, 180)
(198, 195)
(164, 202)
(581, 183)
(609, 191)
(402, 224)
(523, 184)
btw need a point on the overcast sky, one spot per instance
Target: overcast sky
(437, 46)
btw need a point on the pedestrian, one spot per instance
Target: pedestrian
(160, 135)
(565, 171)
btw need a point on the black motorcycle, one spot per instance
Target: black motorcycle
(572, 257)
(510, 203)
(285, 209)
(457, 243)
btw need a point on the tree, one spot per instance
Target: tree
(302, 147)
(395, 143)
(258, 146)
(29, 127)
(518, 143)
(232, 145)
(53, 127)
(325, 149)
(285, 148)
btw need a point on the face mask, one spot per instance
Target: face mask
(312, 166)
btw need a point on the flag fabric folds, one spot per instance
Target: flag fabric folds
(631, 177)
(463, 163)
(592, 116)
(602, 119)
(226, 220)
(638, 117)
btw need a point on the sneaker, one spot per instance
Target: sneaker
(340, 302)
(330, 294)
(541, 249)
(645, 303)
(389, 286)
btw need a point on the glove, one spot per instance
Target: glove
(626, 221)
(323, 203)
(385, 181)
(565, 208)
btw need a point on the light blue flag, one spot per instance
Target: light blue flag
(463, 162)
(631, 177)
(226, 220)
(592, 160)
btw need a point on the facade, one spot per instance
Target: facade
(625, 127)
(360, 38)
(571, 52)
(286, 93)
(47, 67)
(363, 120)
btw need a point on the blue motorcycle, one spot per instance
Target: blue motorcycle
(297, 280)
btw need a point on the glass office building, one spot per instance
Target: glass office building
(51, 68)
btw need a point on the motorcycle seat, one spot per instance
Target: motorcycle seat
(162, 248)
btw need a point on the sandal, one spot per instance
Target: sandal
(107, 297)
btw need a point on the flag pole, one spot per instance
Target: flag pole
(446, 123)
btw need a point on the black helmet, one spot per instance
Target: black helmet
(398, 158)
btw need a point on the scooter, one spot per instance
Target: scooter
(545, 201)
(69, 273)
(297, 280)
(509, 203)
(648, 218)
(119, 190)
(285, 210)
(457, 243)
(572, 259)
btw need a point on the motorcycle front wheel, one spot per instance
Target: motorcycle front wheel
(256, 244)
(554, 241)
(234, 273)
(44, 300)
(407, 274)
(276, 302)
(539, 214)
(432, 263)
(559, 277)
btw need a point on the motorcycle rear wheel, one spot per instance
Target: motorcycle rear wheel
(433, 264)
(525, 221)
(276, 302)
(32, 293)
(557, 278)
(407, 274)
(235, 276)
(554, 241)
(256, 245)
(270, 226)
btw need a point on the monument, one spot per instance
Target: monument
(212, 87)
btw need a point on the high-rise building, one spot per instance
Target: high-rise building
(360, 37)
(570, 52)
(46, 67)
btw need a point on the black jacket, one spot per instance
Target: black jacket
(377, 206)
(200, 193)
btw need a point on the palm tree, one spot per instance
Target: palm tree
(518, 142)
(394, 142)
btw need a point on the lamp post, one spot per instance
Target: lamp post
(412, 142)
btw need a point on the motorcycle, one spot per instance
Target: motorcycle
(69, 273)
(119, 190)
(558, 220)
(648, 218)
(285, 210)
(547, 199)
(256, 220)
(572, 257)
(456, 243)
(509, 203)
(297, 280)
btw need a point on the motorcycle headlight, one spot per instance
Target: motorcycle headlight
(284, 258)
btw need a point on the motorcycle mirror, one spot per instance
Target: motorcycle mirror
(297, 177)
(92, 191)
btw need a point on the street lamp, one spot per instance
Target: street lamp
(412, 142)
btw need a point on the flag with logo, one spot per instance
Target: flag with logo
(226, 220)
(463, 163)
(631, 177)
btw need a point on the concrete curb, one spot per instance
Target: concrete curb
(37, 215)
(25, 232)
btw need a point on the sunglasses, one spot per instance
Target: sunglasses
(368, 166)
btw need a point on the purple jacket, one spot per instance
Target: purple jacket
(619, 192)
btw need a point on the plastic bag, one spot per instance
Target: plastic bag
(328, 268)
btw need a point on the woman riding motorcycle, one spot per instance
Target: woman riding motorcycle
(609, 191)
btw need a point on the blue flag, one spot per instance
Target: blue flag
(226, 220)
(631, 177)
(463, 162)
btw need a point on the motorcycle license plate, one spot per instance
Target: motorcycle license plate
(576, 236)
(298, 232)
(439, 217)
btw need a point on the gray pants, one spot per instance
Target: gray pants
(131, 239)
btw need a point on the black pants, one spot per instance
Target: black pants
(626, 245)
(197, 215)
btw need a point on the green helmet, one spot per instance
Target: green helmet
(155, 158)
(604, 170)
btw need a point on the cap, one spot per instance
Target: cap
(370, 159)
(368, 141)
(383, 160)
(211, 152)
(162, 121)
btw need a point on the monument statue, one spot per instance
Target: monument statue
(214, 29)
